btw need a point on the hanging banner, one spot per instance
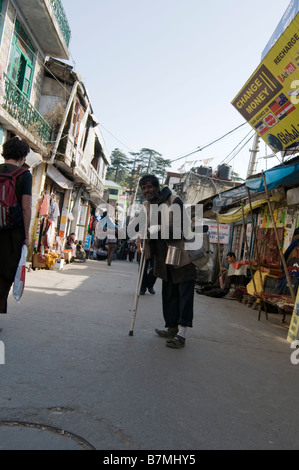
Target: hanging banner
(270, 99)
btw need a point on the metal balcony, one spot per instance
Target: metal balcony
(62, 20)
(48, 22)
(18, 107)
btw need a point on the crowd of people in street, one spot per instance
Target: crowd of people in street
(178, 278)
(149, 248)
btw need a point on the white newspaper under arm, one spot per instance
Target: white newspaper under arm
(19, 281)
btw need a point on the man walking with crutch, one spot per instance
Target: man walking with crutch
(177, 281)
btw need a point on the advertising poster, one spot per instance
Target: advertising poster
(294, 325)
(87, 242)
(269, 101)
(224, 232)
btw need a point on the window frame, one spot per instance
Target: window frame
(19, 63)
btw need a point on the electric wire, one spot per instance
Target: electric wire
(226, 158)
(199, 149)
(240, 149)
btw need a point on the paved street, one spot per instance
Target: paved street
(75, 379)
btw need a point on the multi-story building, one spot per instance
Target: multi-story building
(117, 198)
(45, 102)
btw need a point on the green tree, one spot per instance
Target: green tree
(123, 169)
(148, 157)
(133, 165)
(152, 162)
(161, 166)
(119, 166)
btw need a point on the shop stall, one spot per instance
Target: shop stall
(52, 223)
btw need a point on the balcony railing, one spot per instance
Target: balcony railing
(20, 108)
(62, 20)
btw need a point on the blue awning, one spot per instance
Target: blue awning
(275, 177)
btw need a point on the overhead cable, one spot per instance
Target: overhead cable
(223, 161)
(199, 149)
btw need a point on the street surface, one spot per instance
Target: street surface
(73, 378)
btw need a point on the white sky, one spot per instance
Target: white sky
(161, 74)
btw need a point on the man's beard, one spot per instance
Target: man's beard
(154, 197)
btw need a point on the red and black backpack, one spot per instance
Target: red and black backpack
(10, 208)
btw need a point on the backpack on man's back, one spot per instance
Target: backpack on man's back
(10, 208)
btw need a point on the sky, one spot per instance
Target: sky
(161, 74)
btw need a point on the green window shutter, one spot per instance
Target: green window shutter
(27, 80)
(20, 68)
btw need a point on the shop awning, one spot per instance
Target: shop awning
(229, 197)
(58, 178)
(237, 214)
(97, 201)
(275, 177)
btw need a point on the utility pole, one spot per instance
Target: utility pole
(253, 154)
(136, 184)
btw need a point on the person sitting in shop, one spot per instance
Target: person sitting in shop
(235, 274)
(80, 252)
(71, 244)
(291, 256)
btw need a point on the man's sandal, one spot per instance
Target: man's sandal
(177, 342)
(169, 333)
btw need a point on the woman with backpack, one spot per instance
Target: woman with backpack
(15, 212)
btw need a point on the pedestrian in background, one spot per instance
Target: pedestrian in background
(107, 230)
(149, 278)
(132, 246)
(12, 239)
(111, 246)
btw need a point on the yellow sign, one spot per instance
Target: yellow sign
(270, 99)
(294, 325)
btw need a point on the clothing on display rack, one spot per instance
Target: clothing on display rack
(43, 209)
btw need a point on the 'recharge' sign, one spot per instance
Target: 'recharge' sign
(269, 101)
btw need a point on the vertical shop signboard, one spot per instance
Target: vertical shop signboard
(87, 242)
(294, 325)
(269, 101)
(63, 222)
